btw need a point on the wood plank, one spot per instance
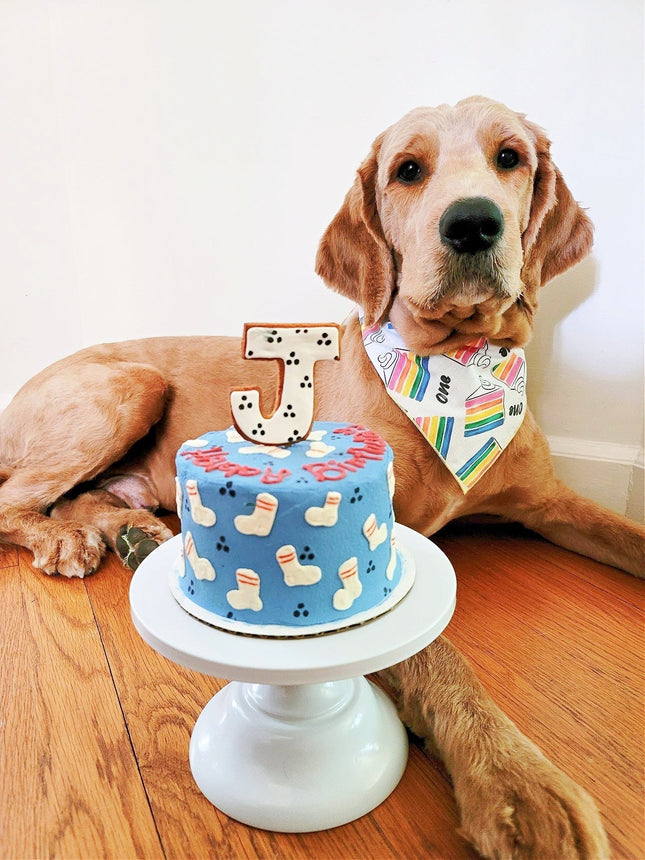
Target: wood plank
(558, 641)
(161, 702)
(69, 784)
(8, 556)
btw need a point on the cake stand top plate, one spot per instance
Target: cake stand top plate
(398, 634)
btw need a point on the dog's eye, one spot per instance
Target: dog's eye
(409, 171)
(507, 159)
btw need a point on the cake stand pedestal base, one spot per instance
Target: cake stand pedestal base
(298, 758)
(299, 740)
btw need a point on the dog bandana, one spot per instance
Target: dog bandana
(468, 403)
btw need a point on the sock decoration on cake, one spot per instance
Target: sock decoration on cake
(287, 525)
(468, 403)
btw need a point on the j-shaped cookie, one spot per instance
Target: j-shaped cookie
(298, 347)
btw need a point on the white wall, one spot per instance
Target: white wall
(168, 167)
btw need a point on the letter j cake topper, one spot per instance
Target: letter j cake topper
(298, 347)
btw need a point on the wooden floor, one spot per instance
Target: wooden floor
(94, 725)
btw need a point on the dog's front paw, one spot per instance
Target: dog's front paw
(519, 805)
(133, 545)
(68, 548)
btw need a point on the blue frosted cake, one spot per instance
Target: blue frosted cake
(288, 540)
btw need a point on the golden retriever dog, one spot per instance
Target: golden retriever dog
(455, 220)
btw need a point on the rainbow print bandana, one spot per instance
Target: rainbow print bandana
(468, 403)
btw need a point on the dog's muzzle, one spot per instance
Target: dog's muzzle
(472, 225)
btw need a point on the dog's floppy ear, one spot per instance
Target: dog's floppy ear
(559, 234)
(353, 257)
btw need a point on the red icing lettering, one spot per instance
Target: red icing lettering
(271, 477)
(373, 449)
(350, 430)
(329, 471)
(214, 459)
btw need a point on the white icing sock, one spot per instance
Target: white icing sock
(260, 522)
(392, 562)
(390, 478)
(328, 514)
(375, 534)
(294, 572)
(319, 449)
(180, 563)
(202, 567)
(202, 515)
(352, 586)
(247, 593)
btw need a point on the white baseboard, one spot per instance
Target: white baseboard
(610, 474)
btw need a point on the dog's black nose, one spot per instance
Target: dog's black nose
(471, 225)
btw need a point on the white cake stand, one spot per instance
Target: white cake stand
(301, 740)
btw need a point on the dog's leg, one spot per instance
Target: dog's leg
(579, 524)
(132, 534)
(571, 521)
(531, 494)
(513, 802)
(63, 429)
(69, 548)
(567, 519)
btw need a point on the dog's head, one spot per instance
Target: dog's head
(455, 219)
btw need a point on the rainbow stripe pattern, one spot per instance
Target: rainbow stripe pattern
(484, 412)
(464, 354)
(474, 468)
(438, 431)
(368, 332)
(508, 370)
(410, 376)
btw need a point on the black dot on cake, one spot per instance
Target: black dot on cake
(301, 610)
(356, 497)
(307, 554)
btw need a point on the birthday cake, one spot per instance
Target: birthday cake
(288, 540)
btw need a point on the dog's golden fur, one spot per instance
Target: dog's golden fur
(88, 445)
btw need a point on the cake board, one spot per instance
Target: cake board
(299, 740)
